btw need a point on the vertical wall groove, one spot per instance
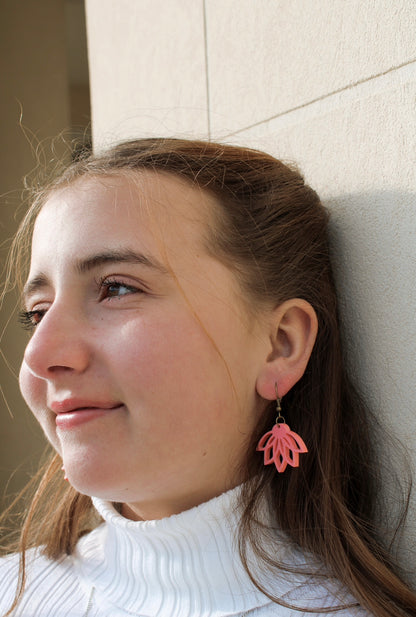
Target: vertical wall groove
(206, 70)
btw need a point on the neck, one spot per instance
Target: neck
(153, 510)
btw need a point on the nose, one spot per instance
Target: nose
(58, 345)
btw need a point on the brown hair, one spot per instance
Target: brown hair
(272, 231)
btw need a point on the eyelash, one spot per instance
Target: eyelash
(27, 319)
(105, 284)
(30, 319)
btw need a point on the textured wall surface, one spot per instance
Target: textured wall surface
(328, 84)
(147, 68)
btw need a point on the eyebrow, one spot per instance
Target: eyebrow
(91, 262)
(118, 256)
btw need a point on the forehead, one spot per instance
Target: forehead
(161, 211)
(153, 219)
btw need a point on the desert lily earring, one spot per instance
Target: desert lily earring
(281, 446)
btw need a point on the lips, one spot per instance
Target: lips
(71, 405)
(73, 412)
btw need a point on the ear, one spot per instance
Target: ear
(293, 330)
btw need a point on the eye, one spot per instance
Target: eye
(116, 289)
(30, 319)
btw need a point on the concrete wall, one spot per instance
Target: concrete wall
(329, 84)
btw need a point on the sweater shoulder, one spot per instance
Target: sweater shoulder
(51, 588)
(309, 605)
(311, 595)
(276, 610)
(325, 594)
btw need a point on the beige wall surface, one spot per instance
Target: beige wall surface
(159, 53)
(328, 84)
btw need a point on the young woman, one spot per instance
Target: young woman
(185, 364)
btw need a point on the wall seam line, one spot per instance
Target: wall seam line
(322, 97)
(206, 70)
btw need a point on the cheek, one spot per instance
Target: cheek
(164, 358)
(153, 351)
(171, 367)
(33, 391)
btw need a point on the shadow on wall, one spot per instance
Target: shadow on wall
(373, 248)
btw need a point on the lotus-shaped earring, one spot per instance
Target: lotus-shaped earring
(281, 445)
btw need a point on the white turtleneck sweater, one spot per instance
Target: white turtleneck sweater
(186, 565)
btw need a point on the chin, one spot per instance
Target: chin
(93, 484)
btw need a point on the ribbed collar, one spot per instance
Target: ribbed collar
(185, 565)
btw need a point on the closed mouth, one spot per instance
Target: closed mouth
(72, 405)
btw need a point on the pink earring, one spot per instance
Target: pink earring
(65, 476)
(281, 446)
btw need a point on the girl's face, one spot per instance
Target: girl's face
(142, 364)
